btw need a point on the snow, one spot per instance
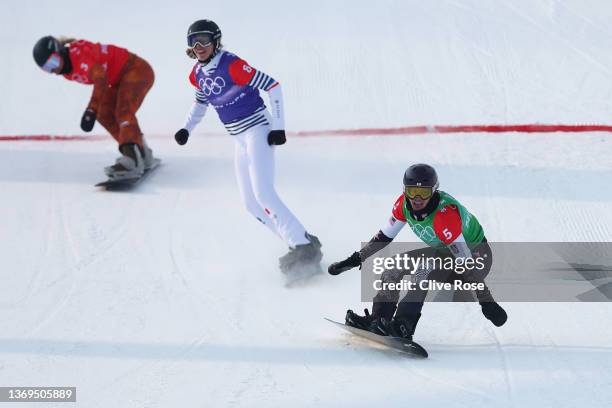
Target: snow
(170, 295)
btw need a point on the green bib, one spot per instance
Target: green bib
(470, 227)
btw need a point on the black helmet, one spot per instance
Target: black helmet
(44, 48)
(422, 175)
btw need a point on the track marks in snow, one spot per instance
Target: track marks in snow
(504, 366)
(587, 56)
(582, 222)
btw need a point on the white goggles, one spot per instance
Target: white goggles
(52, 63)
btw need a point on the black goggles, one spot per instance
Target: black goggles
(418, 191)
(204, 39)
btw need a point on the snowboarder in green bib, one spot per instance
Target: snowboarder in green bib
(449, 230)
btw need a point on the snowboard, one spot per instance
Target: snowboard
(128, 183)
(410, 348)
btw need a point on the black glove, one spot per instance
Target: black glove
(349, 263)
(88, 120)
(181, 136)
(495, 313)
(276, 137)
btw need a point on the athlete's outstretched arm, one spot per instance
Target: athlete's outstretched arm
(98, 76)
(195, 115)
(385, 236)
(388, 232)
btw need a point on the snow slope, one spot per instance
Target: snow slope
(170, 295)
(342, 63)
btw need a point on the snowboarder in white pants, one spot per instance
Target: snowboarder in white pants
(232, 86)
(254, 164)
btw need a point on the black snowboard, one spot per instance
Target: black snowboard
(411, 348)
(126, 184)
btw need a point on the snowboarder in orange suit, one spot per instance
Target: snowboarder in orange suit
(120, 80)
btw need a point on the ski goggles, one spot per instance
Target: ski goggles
(53, 62)
(418, 191)
(203, 39)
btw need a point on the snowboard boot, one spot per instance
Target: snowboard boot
(380, 326)
(361, 322)
(494, 312)
(404, 327)
(302, 255)
(129, 165)
(382, 313)
(400, 326)
(147, 156)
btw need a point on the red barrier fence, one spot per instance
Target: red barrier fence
(407, 130)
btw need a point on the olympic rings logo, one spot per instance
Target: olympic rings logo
(212, 86)
(424, 233)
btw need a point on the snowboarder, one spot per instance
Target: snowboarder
(120, 81)
(232, 86)
(448, 229)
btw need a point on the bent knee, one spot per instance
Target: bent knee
(256, 211)
(267, 198)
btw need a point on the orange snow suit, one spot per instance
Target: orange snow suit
(121, 81)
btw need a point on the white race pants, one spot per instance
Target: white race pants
(254, 164)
